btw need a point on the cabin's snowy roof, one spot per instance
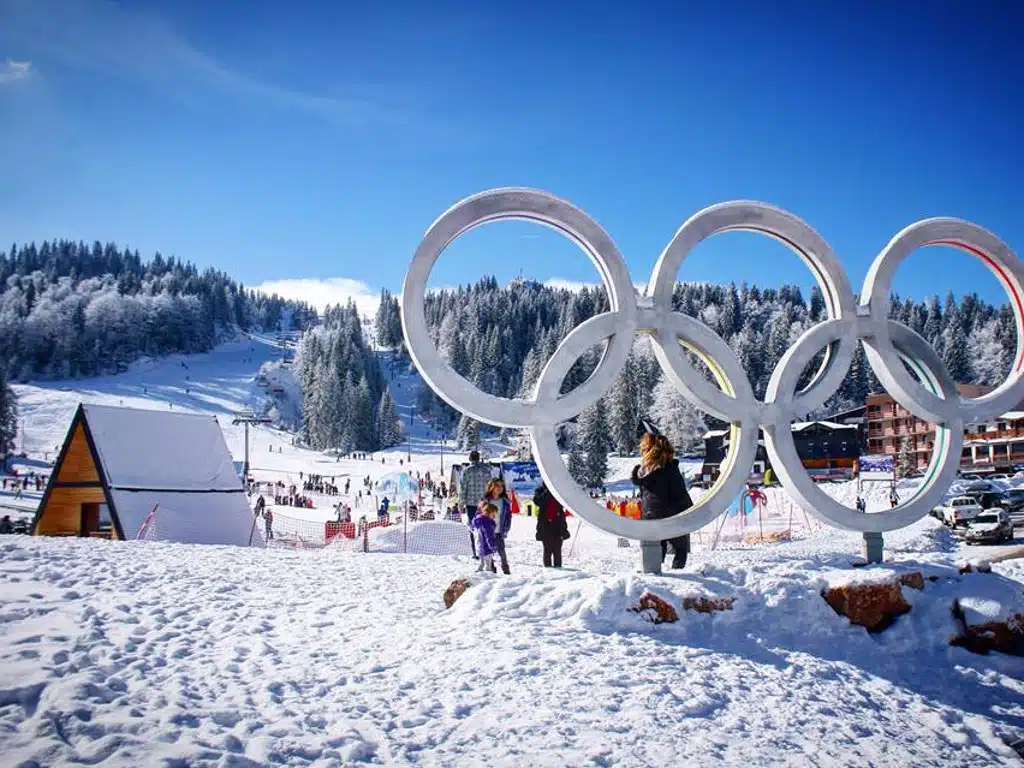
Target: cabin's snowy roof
(799, 426)
(192, 518)
(161, 450)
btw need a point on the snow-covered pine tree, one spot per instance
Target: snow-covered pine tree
(389, 432)
(682, 422)
(530, 373)
(574, 461)
(778, 337)
(817, 310)
(381, 322)
(623, 416)
(954, 351)
(467, 434)
(933, 324)
(331, 414)
(395, 319)
(8, 414)
(365, 431)
(904, 459)
(595, 441)
(987, 354)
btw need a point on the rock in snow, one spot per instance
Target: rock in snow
(455, 590)
(655, 609)
(870, 605)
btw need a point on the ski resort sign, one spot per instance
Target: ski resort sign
(892, 349)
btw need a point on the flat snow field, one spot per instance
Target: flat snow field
(146, 654)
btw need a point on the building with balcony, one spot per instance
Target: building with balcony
(997, 445)
(826, 449)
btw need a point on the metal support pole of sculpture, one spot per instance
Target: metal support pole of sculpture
(873, 547)
(650, 557)
(891, 349)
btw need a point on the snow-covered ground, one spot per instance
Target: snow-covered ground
(147, 653)
(140, 653)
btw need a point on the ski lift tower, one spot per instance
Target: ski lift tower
(247, 417)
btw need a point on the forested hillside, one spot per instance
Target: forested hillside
(501, 337)
(68, 309)
(345, 403)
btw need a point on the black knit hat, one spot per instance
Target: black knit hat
(646, 427)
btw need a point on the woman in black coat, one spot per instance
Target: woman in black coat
(552, 528)
(662, 490)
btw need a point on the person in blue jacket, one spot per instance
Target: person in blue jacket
(496, 495)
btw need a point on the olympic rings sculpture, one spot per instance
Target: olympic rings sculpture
(891, 348)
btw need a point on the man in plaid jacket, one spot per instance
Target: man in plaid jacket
(472, 486)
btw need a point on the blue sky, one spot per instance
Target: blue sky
(309, 149)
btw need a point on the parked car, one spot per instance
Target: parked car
(999, 476)
(969, 476)
(988, 499)
(960, 510)
(1013, 502)
(990, 527)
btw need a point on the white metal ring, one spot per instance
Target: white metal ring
(730, 398)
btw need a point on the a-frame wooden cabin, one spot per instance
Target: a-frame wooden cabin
(77, 497)
(126, 473)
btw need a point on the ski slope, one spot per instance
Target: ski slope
(221, 382)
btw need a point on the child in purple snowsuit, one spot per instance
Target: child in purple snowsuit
(484, 525)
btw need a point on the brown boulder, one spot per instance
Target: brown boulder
(703, 604)
(977, 566)
(872, 605)
(1006, 636)
(455, 590)
(913, 579)
(655, 609)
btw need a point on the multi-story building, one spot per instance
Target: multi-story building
(997, 445)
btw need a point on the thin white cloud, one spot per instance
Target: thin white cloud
(15, 71)
(323, 291)
(561, 283)
(122, 41)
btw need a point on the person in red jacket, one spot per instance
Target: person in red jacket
(552, 529)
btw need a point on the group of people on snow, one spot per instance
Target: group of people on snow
(489, 515)
(485, 501)
(320, 484)
(33, 480)
(262, 510)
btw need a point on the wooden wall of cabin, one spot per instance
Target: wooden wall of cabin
(78, 465)
(63, 513)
